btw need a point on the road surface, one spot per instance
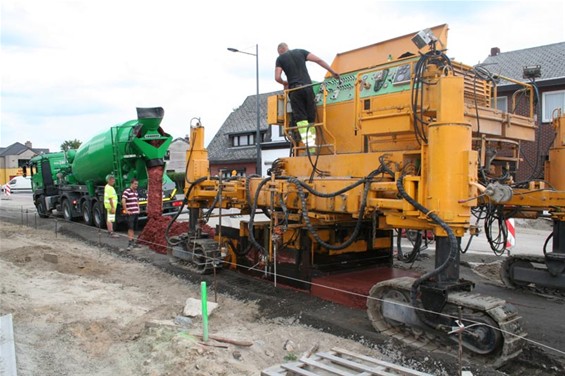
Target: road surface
(541, 315)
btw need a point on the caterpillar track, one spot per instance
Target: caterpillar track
(197, 255)
(515, 271)
(497, 336)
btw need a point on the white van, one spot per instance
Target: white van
(19, 184)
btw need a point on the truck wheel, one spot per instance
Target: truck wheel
(67, 210)
(98, 215)
(41, 209)
(87, 213)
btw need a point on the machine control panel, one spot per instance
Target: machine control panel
(379, 81)
(402, 75)
(385, 80)
(338, 90)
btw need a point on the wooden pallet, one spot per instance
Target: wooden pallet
(339, 362)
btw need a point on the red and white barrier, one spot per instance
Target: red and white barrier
(7, 191)
(511, 239)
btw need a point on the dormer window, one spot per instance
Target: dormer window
(240, 140)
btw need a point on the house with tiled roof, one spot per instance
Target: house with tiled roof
(14, 157)
(234, 148)
(522, 65)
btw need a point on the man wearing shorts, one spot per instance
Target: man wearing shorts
(130, 205)
(110, 203)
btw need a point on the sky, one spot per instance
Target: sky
(72, 69)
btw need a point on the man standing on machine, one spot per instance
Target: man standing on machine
(302, 101)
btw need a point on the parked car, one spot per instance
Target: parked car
(19, 184)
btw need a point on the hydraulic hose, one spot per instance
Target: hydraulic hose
(301, 186)
(546, 243)
(367, 181)
(450, 235)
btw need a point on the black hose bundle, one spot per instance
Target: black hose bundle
(433, 57)
(496, 229)
(453, 246)
(301, 187)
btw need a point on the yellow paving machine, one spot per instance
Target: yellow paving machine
(406, 139)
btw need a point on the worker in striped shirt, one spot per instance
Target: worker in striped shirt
(130, 205)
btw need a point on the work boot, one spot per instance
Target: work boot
(130, 245)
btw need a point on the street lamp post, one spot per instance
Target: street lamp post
(258, 130)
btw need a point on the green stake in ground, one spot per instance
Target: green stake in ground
(204, 299)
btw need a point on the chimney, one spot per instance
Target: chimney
(494, 51)
(28, 144)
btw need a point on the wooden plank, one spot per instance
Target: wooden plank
(333, 362)
(375, 370)
(7, 347)
(327, 367)
(273, 371)
(293, 367)
(406, 371)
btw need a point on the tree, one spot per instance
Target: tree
(70, 144)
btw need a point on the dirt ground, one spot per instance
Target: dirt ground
(93, 313)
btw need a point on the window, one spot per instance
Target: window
(228, 173)
(243, 140)
(551, 101)
(501, 104)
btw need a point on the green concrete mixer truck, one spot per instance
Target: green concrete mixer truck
(72, 182)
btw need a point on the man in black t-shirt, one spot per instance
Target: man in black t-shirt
(302, 101)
